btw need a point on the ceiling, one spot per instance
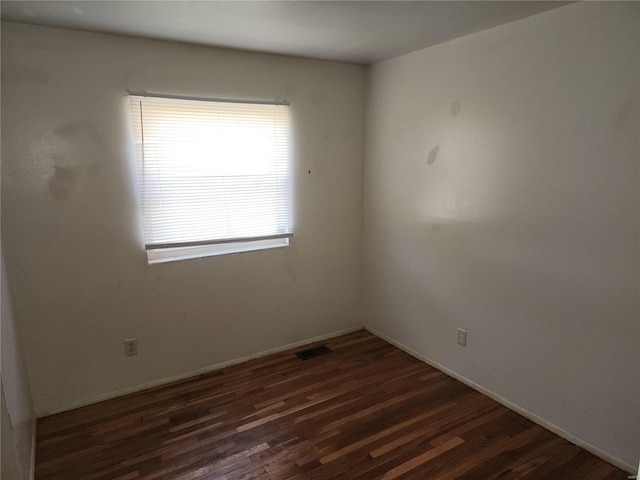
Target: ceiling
(346, 31)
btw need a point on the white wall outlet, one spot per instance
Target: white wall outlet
(130, 347)
(462, 337)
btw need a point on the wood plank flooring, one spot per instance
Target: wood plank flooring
(365, 411)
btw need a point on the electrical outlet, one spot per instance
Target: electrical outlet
(462, 337)
(130, 347)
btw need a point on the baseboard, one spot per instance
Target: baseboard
(510, 405)
(192, 373)
(34, 432)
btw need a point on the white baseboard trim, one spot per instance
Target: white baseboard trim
(510, 405)
(192, 373)
(34, 432)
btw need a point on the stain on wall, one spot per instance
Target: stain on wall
(455, 108)
(84, 125)
(61, 183)
(433, 155)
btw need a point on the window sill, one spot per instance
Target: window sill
(188, 253)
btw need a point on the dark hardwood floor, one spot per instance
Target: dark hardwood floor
(365, 411)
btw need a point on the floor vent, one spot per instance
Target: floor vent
(313, 352)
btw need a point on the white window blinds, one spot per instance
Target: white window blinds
(212, 172)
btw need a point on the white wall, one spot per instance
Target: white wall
(18, 420)
(72, 227)
(501, 196)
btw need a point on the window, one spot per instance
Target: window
(214, 176)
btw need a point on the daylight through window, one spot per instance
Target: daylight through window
(214, 176)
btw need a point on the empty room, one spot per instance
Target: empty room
(317, 240)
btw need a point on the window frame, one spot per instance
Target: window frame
(161, 252)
